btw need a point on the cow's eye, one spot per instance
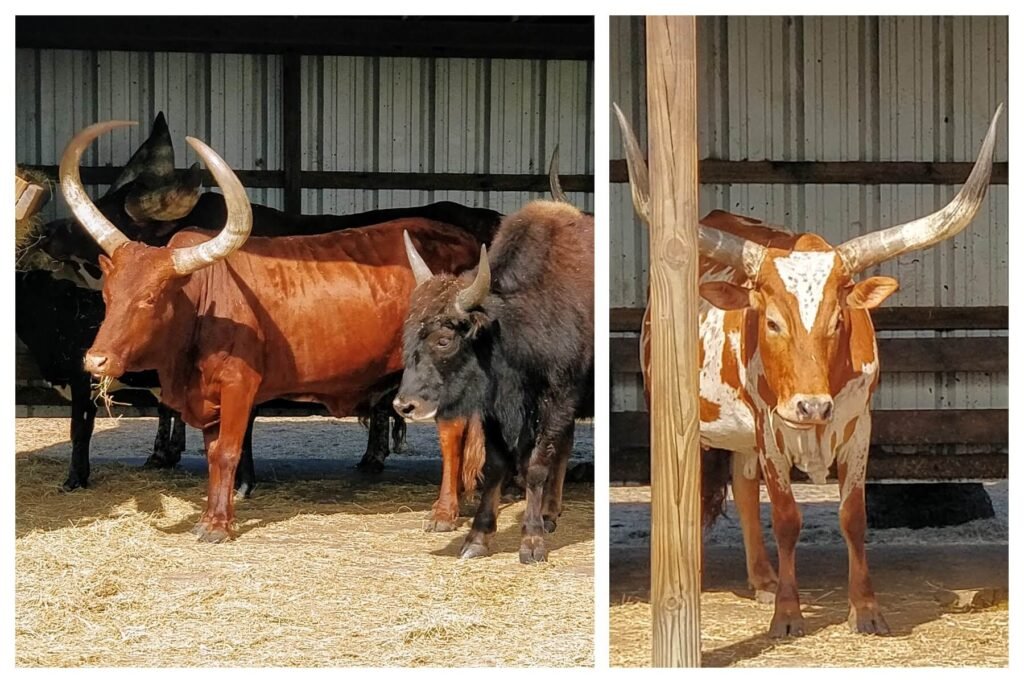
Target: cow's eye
(773, 326)
(443, 342)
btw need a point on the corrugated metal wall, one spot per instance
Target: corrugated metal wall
(360, 113)
(841, 89)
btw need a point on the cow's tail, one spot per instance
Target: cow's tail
(473, 454)
(716, 471)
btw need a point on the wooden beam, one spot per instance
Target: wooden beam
(632, 466)
(359, 180)
(468, 37)
(291, 114)
(943, 354)
(969, 427)
(675, 446)
(723, 172)
(889, 319)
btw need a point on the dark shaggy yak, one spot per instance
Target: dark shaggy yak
(513, 342)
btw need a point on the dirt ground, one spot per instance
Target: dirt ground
(922, 577)
(330, 568)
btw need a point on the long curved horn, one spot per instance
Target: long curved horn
(556, 185)
(239, 216)
(865, 251)
(639, 182)
(96, 224)
(420, 269)
(718, 245)
(471, 297)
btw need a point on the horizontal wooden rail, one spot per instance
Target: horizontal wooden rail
(937, 318)
(889, 428)
(950, 354)
(376, 180)
(722, 172)
(634, 466)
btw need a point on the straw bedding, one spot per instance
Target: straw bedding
(913, 580)
(323, 573)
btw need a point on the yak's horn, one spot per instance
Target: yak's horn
(420, 269)
(471, 297)
(556, 186)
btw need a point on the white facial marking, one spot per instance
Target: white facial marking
(804, 274)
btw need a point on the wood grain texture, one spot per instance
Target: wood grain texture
(725, 171)
(938, 354)
(675, 454)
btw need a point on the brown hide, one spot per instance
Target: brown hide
(315, 317)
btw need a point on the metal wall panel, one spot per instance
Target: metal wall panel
(232, 102)
(841, 89)
(424, 115)
(360, 114)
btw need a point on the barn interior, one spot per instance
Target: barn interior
(316, 115)
(839, 126)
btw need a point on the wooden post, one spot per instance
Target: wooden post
(675, 448)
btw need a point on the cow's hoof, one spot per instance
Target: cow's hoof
(473, 548)
(161, 461)
(532, 550)
(244, 490)
(550, 524)
(208, 534)
(370, 465)
(786, 625)
(72, 483)
(434, 524)
(868, 620)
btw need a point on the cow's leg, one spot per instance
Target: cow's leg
(377, 439)
(786, 520)
(444, 515)
(485, 521)
(747, 495)
(83, 419)
(865, 617)
(223, 451)
(245, 475)
(555, 422)
(552, 506)
(170, 439)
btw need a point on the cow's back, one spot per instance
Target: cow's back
(324, 313)
(543, 265)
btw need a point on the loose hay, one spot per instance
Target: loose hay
(324, 573)
(913, 583)
(26, 231)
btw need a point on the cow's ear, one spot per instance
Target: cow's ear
(106, 265)
(872, 292)
(478, 320)
(725, 295)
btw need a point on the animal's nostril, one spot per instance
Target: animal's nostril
(803, 409)
(826, 412)
(404, 408)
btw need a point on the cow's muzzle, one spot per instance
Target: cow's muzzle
(100, 364)
(414, 409)
(806, 410)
